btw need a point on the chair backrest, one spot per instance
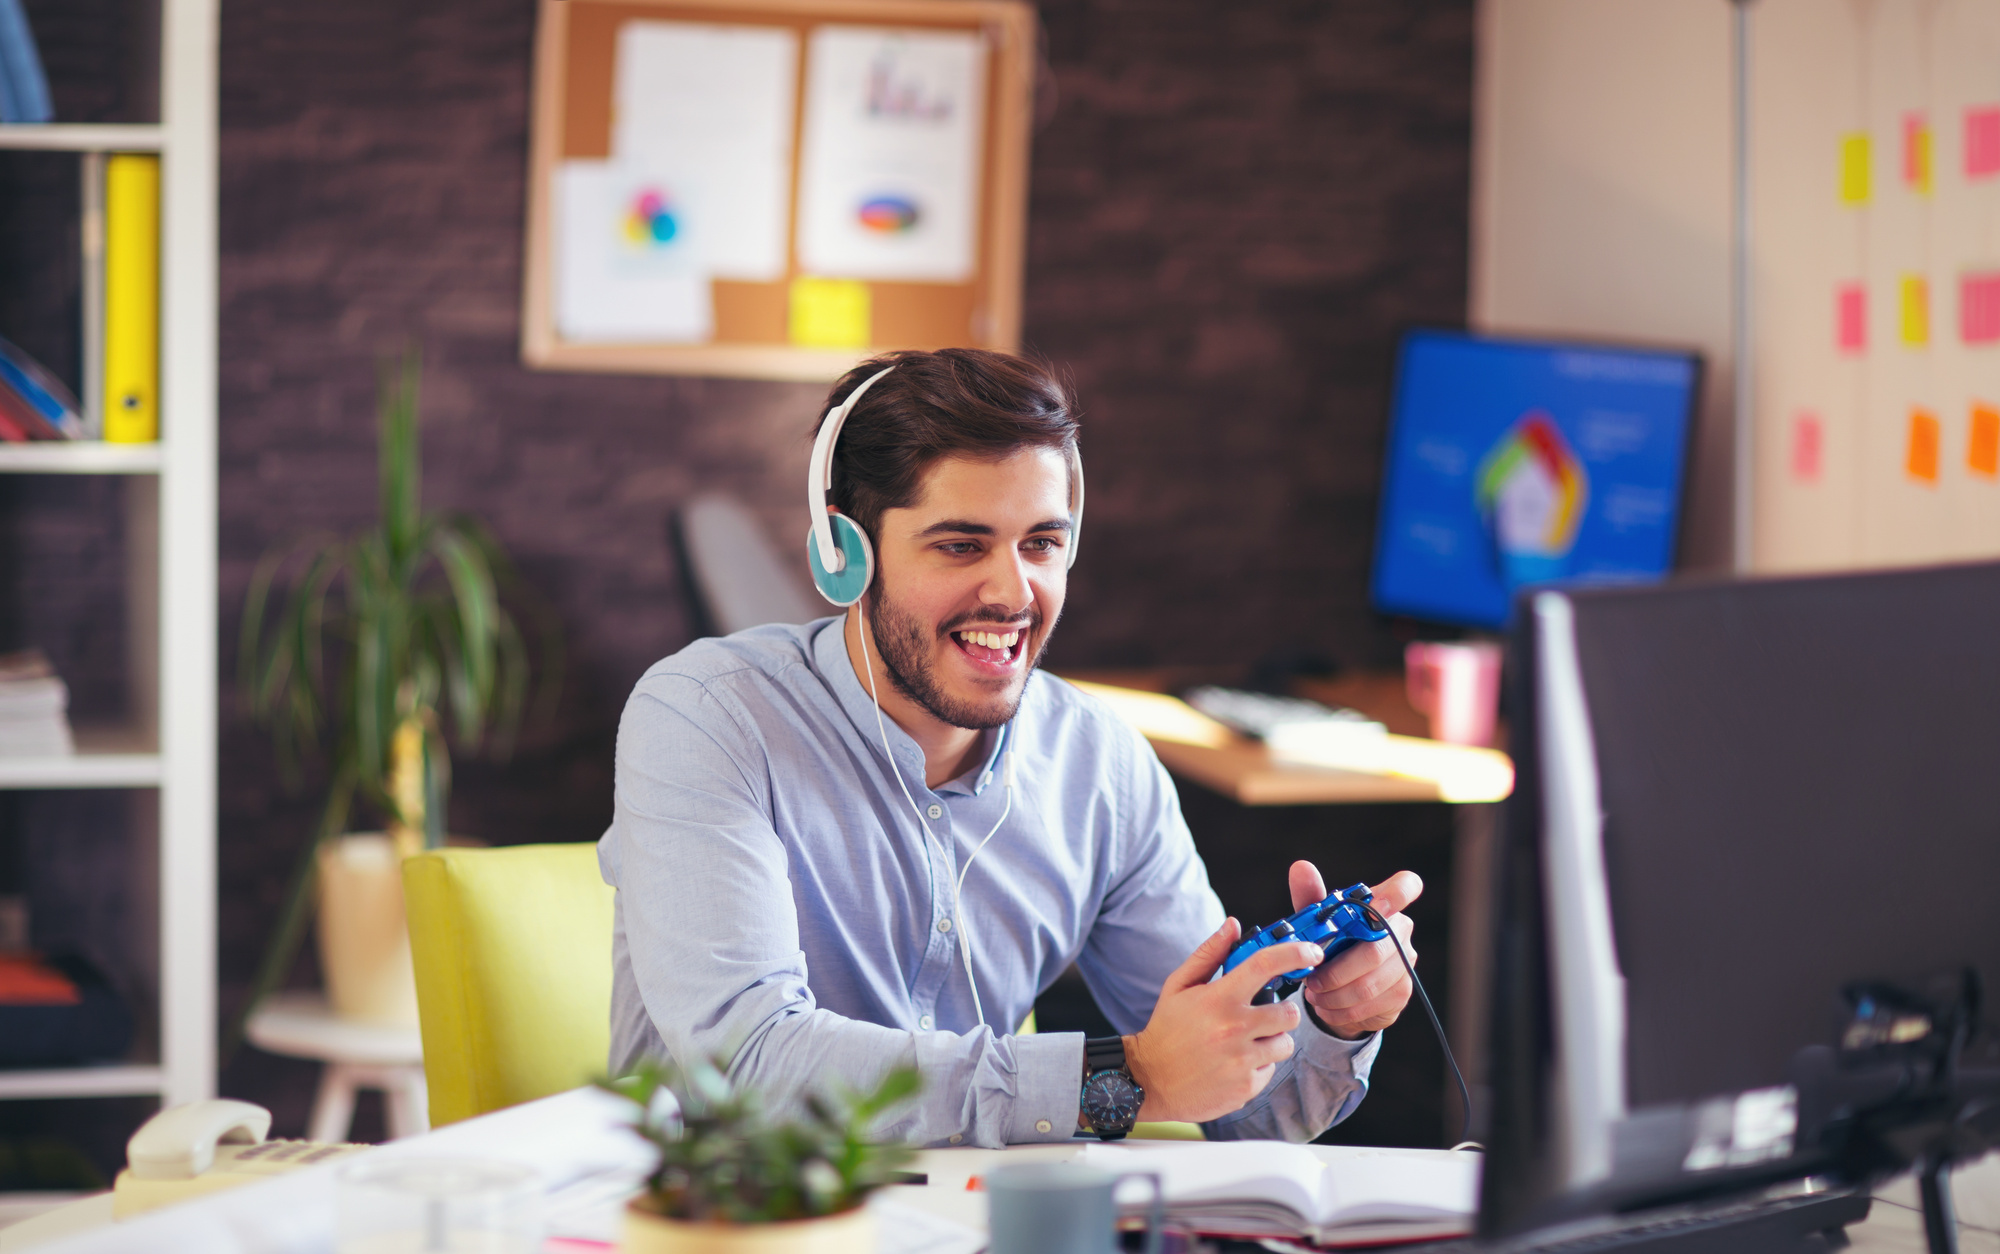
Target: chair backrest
(513, 958)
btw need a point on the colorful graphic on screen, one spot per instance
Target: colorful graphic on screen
(888, 215)
(650, 219)
(1532, 490)
(1514, 463)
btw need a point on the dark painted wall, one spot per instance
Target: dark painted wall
(1234, 208)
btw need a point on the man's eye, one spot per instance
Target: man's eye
(958, 548)
(1043, 544)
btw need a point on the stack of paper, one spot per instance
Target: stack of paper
(34, 708)
(1327, 1194)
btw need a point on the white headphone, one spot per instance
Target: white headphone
(837, 549)
(843, 565)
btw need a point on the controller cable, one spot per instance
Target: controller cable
(1375, 920)
(957, 906)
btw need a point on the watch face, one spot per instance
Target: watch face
(1111, 1101)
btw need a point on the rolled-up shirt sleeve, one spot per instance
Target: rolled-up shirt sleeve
(709, 933)
(1159, 907)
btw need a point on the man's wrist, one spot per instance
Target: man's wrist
(1332, 1032)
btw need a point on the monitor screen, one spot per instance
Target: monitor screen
(1734, 801)
(1513, 463)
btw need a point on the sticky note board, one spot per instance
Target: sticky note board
(1917, 154)
(1808, 439)
(1979, 307)
(1982, 451)
(1916, 303)
(1982, 141)
(710, 103)
(1920, 460)
(1854, 169)
(1851, 317)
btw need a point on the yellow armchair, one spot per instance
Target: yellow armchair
(512, 949)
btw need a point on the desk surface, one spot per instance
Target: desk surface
(1242, 769)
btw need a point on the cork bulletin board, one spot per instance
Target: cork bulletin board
(774, 188)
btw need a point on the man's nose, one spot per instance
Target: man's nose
(1007, 583)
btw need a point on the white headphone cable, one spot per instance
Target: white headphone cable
(957, 906)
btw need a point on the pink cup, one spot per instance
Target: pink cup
(1458, 685)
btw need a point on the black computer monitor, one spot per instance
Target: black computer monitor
(1735, 803)
(1515, 462)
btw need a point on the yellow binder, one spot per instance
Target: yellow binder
(131, 299)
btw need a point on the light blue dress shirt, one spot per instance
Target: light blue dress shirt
(779, 904)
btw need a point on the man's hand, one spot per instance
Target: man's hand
(1364, 989)
(1207, 1050)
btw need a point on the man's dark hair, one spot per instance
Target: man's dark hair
(966, 402)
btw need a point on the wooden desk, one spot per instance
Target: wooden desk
(1242, 769)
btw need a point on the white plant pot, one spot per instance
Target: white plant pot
(364, 937)
(850, 1232)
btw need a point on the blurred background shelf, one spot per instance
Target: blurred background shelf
(105, 757)
(85, 457)
(110, 1080)
(84, 137)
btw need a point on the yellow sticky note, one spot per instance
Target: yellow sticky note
(1916, 311)
(830, 313)
(1854, 168)
(1982, 453)
(1921, 461)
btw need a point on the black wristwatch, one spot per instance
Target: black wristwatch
(1111, 1098)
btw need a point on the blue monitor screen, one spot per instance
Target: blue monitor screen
(1514, 463)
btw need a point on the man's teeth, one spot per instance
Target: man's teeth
(990, 640)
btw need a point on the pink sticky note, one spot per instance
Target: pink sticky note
(1979, 307)
(1807, 439)
(1851, 317)
(1982, 142)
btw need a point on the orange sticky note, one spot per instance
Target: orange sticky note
(1854, 168)
(1982, 451)
(1916, 311)
(1922, 459)
(1917, 153)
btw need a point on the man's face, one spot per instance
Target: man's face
(970, 581)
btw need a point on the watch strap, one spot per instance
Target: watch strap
(1103, 1053)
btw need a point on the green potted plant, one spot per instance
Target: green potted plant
(730, 1181)
(373, 642)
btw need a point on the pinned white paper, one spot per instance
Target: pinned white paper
(714, 105)
(628, 257)
(889, 168)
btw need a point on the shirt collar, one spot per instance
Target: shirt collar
(829, 650)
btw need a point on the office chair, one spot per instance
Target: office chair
(512, 949)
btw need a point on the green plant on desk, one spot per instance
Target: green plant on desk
(722, 1161)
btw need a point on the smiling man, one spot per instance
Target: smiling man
(873, 840)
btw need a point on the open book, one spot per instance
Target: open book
(1328, 1194)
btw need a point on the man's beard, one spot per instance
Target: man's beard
(905, 646)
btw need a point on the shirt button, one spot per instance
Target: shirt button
(1043, 1125)
(944, 925)
(936, 812)
(924, 1022)
(956, 1138)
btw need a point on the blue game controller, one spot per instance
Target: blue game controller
(1334, 925)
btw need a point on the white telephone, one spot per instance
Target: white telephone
(204, 1147)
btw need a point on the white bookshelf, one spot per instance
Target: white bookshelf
(171, 585)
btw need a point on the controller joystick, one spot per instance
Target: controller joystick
(1336, 924)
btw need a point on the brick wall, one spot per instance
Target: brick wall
(1234, 209)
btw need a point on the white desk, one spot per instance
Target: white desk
(576, 1140)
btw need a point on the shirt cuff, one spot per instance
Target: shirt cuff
(1322, 1049)
(1049, 1071)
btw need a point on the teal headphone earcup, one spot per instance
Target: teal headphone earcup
(845, 586)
